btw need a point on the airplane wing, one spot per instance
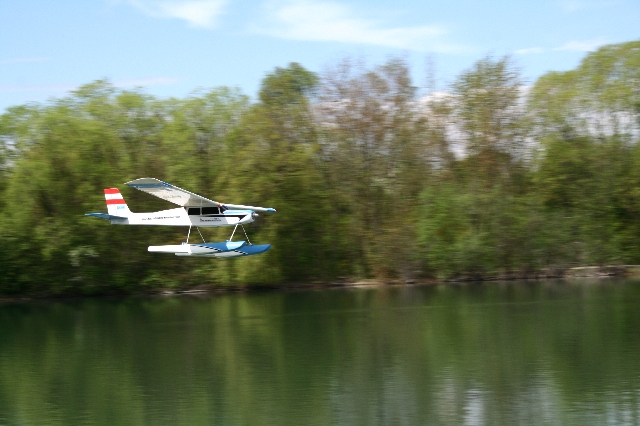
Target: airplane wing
(171, 193)
(182, 197)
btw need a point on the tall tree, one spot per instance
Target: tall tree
(489, 113)
(374, 147)
(600, 98)
(475, 209)
(587, 123)
(274, 163)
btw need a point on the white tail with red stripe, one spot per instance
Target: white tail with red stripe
(116, 206)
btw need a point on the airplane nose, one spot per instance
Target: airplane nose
(254, 215)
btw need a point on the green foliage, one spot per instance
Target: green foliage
(487, 108)
(369, 180)
(600, 98)
(286, 86)
(373, 148)
(275, 163)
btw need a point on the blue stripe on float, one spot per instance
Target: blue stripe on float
(223, 246)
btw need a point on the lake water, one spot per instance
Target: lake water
(478, 354)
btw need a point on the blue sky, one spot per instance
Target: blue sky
(171, 47)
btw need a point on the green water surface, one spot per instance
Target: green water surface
(493, 353)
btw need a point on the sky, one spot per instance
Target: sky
(173, 47)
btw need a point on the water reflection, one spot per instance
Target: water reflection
(539, 353)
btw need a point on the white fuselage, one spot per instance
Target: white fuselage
(181, 217)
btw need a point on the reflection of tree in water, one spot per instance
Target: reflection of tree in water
(483, 354)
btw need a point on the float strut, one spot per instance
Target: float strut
(234, 231)
(246, 236)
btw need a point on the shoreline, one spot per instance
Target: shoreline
(344, 283)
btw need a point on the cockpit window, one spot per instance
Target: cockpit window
(223, 209)
(210, 210)
(193, 211)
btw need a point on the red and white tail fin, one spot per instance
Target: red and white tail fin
(116, 206)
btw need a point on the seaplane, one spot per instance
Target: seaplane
(194, 211)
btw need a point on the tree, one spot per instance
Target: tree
(374, 149)
(489, 113)
(600, 98)
(587, 124)
(274, 162)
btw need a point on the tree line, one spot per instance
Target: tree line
(371, 177)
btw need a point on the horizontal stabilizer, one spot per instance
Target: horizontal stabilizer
(105, 216)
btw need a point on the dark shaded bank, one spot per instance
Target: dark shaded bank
(343, 282)
(568, 273)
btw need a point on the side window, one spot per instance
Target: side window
(193, 211)
(210, 210)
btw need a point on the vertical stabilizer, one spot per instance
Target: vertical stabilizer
(116, 206)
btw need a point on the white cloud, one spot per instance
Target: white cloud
(529, 50)
(198, 13)
(331, 21)
(582, 46)
(20, 60)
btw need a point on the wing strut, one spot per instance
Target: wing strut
(201, 235)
